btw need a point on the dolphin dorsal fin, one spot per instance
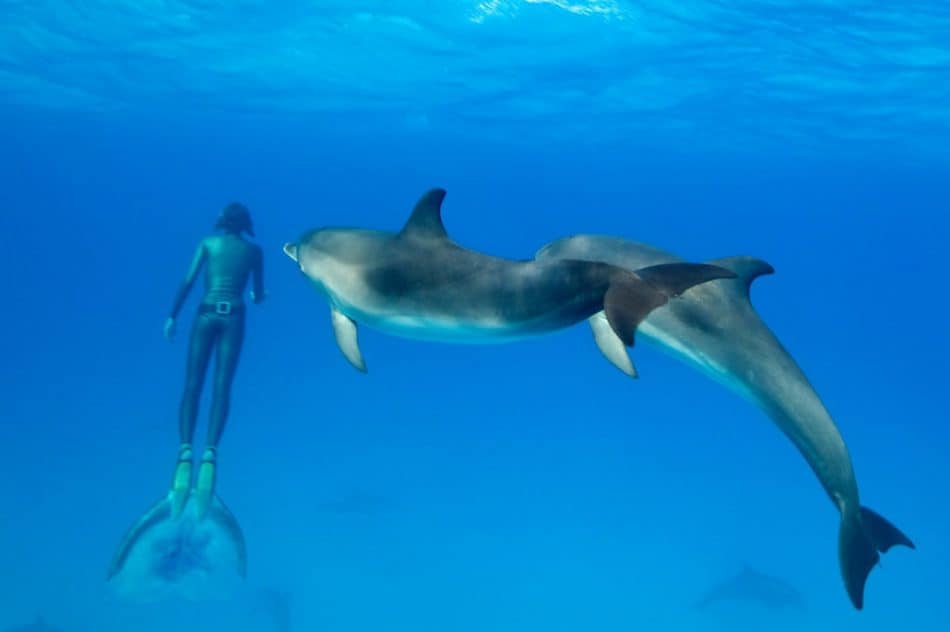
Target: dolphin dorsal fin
(747, 269)
(426, 218)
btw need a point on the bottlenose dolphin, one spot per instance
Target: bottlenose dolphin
(418, 283)
(750, 585)
(715, 328)
(167, 566)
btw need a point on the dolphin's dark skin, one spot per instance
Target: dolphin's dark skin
(715, 328)
(418, 283)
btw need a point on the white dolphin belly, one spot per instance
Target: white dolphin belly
(674, 345)
(437, 329)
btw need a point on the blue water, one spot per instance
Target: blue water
(527, 486)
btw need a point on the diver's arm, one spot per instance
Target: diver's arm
(196, 263)
(258, 293)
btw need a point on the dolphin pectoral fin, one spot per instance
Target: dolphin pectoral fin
(861, 538)
(344, 329)
(747, 269)
(610, 344)
(290, 250)
(159, 512)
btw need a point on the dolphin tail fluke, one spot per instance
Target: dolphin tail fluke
(883, 533)
(632, 296)
(863, 536)
(672, 279)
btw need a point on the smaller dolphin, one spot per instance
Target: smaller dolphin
(714, 328)
(418, 283)
(751, 586)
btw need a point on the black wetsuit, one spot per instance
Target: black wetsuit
(219, 325)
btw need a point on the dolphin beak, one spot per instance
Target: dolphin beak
(291, 250)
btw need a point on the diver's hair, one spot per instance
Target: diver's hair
(237, 218)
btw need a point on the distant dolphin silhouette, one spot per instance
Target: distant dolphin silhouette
(275, 605)
(420, 284)
(749, 585)
(715, 328)
(39, 625)
(356, 502)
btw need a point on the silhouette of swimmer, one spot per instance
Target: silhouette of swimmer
(229, 261)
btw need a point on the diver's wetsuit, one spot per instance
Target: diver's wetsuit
(230, 262)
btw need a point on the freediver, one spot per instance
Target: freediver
(229, 260)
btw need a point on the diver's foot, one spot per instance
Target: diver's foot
(181, 482)
(204, 489)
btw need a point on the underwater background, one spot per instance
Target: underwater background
(526, 486)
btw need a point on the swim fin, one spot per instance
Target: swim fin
(217, 513)
(204, 488)
(181, 481)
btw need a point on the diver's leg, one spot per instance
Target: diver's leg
(196, 365)
(181, 480)
(199, 352)
(226, 362)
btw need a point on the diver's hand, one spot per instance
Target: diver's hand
(258, 299)
(170, 328)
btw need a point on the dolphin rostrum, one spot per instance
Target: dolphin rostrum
(715, 328)
(418, 283)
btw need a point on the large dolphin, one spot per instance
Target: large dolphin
(715, 328)
(418, 283)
